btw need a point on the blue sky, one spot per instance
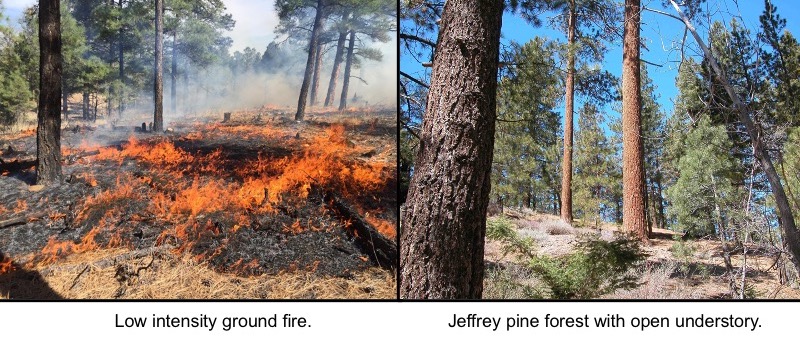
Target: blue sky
(661, 35)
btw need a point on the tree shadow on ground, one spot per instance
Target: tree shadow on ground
(22, 284)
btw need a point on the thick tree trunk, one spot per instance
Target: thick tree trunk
(337, 63)
(48, 132)
(313, 46)
(158, 87)
(173, 92)
(634, 220)
(566, 169)
(315, 79)
(786, 218)
(444, 222)
(348, 67)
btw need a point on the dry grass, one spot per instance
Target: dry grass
(169, 277)
(656, 284)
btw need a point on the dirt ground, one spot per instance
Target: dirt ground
(698, 273)
(210, 209)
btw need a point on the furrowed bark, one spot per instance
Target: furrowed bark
(444, 219)
(634, 219)
(48, 131)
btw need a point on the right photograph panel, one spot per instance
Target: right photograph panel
(593, 149)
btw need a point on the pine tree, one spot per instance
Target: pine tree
(593, 167)
(523, 167)
(444, 223)
(704, 191)
(48, 131)
(634, 220)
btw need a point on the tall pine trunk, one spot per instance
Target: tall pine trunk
(121, 47)
(348, 66)
(569, 111)
(85, 108)
(158, 87)
(173, 92)
(444, 222)
(337, 62)
(313, 46)
(634, 219)
(315, 79)
(48, 131)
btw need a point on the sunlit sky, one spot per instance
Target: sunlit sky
(661, 36)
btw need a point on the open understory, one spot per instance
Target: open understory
(255, 206)
(674, 268)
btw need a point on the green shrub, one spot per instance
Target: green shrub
(501, 229)
(597, 267)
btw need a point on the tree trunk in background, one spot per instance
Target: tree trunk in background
(158, 87)
(85, 102)
(121, 46)
(64, 103)
(348, 66)
(569, 110)
(444, 222)
(313, 46)
(48, 131)
(315, 79)
(173, 92)
(785, 216)
(337, 62)
(634, 220)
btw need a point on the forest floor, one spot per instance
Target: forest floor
(673, 269)
(257, 206)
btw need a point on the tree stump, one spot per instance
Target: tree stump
(226, 117)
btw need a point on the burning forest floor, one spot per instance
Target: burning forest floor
(255, 206)
(673, 268)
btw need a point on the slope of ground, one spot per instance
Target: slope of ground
(674, 269)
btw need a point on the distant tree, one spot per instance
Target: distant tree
(48, 131)
(158, 87)
(444, 223)
(16, 94)
(594, 160)
(524, 173)
(294, 8)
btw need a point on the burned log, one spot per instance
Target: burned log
(380, 249)
(21, 220)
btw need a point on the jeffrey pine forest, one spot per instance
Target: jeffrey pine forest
(582, 149)
(203, 149)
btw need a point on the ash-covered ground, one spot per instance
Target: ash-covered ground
(243, 196)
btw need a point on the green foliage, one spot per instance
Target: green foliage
(704, 189)
(501, 229)
(597, 267)
(684, 252)
(594, 157)
(15, 95)
(790, 170)
(527, 152)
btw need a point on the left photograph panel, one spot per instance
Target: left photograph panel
(208, 149)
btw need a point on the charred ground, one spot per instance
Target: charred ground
(258, 195)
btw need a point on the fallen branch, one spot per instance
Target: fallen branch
(21, 220)
(379, 248)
